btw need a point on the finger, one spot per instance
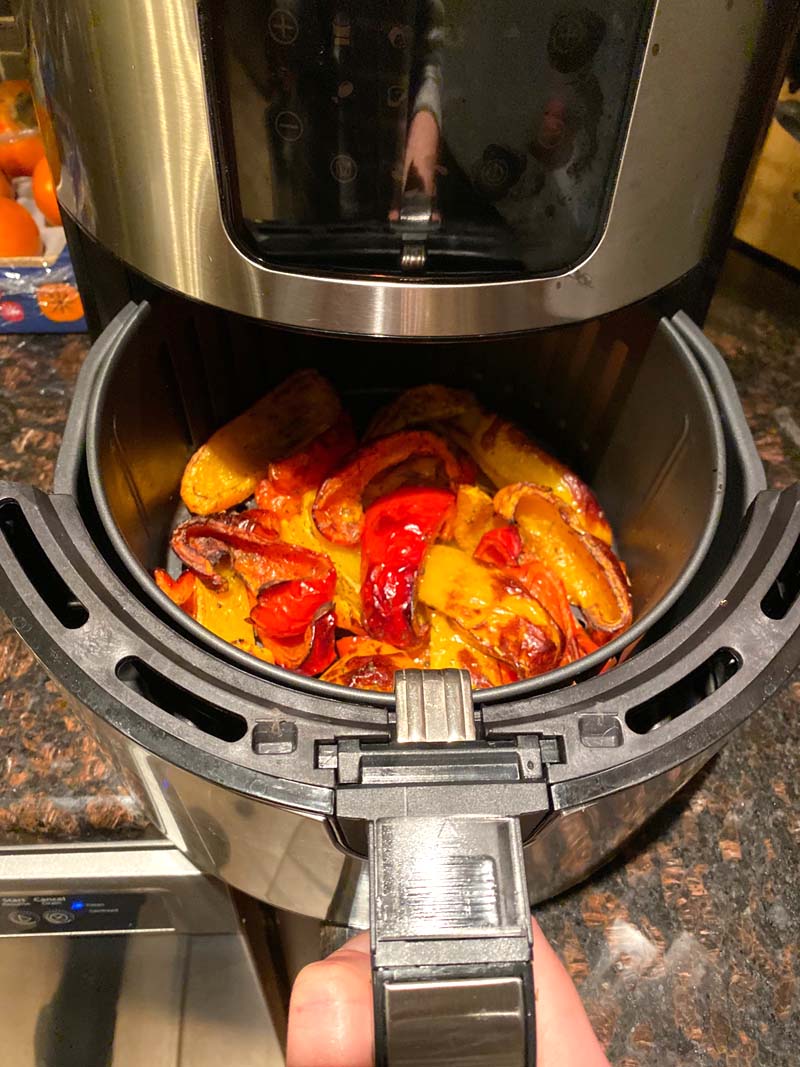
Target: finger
(564, 1035)
(331, 1024)
(330, 1014)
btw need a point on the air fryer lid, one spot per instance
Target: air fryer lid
(639, 423)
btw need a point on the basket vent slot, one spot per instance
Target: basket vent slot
(179, 702)
(784, 591)
(39, 568)
(685, 694)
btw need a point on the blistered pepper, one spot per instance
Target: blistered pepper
(501, 450)
(280, 493)
(225, 470)
(503, 547)
(450, 646)
(364, 663)
(397, 531)
(179, 590)
(338, 508)
(205, 543)
(593, 577)
(495, 610)
(294, 586)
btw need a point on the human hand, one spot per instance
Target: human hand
(331, 1025)
(422, 151)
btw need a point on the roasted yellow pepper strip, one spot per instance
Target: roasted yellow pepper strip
(500, 616)
(302, 530)
(592, 575)
(224, 472)
(475, 516)
(507, 455)
(225, 611)
(450, 647)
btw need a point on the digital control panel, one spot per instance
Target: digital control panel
(70, 914)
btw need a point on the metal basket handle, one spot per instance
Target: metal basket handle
(450, 920)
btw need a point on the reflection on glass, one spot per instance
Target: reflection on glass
(484, 135)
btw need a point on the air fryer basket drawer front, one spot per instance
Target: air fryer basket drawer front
(679, 697)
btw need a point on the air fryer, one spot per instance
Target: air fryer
(242, 199)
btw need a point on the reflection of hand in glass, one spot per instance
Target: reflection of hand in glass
(422, 153)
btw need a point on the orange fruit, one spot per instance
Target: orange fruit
(17, 112)
(44, 192)
(59, 302)
(20, 153)
(19, 234)
(6, 188)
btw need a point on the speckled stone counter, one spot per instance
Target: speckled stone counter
(55, 782)
(685, 948)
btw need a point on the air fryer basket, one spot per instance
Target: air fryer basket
(639, 423)
(283, 788)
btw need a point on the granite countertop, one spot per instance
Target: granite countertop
(685, 948)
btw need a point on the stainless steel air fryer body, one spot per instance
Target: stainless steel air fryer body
(418, 170)
(264, 158)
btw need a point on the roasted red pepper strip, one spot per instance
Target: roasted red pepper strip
(203, 543)
(310, 652)
(288, 608)
(338, 509)
(280, 493)
(323, 645)
(293, 584)
(308, 469)
(397, 530)
(179, 590)
(501, 547)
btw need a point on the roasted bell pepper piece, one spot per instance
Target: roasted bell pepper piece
(500, 547)
(309, 653)
(225, 471)
(474, 517)
(507, 455)
(288, 608)
(292, 584)
(308, 468)
(419, 470)
(301, 530)
(415, 407)
(503, 547)
(592, 575)
(367, 664)
(224, 611)
(280, 493)
(203, 544)
(450, 647)
(500, 448)
(397, 532)
(179, 590)
(338, 509)
(323, 645)
(494, 609)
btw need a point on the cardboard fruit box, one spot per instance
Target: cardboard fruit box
(38, 294)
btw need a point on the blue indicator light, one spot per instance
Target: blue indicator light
(76, 905)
